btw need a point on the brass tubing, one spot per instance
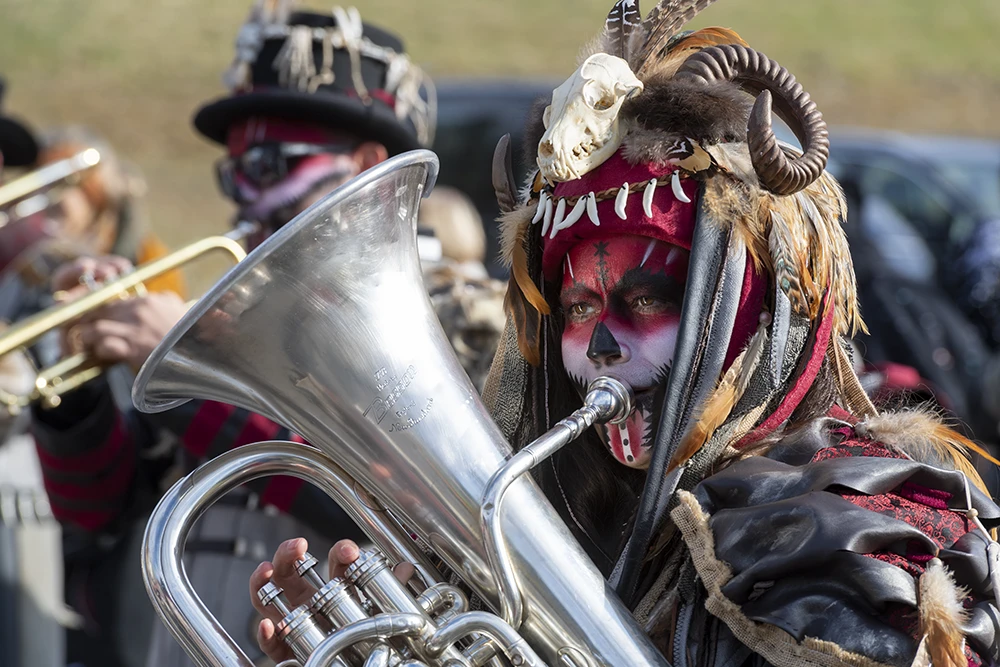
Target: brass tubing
(50, 174)
(30, 329)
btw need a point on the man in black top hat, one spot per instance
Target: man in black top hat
(315, 99)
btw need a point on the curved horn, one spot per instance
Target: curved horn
(503, 176)
(760, 76)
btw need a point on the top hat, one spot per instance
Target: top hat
(17, 144)
(326, 69)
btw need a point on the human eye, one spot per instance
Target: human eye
(647, 303)
(579, 311)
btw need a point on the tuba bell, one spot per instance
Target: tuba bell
(326, 329)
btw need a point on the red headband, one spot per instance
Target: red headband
(672, 221)
(263, 129)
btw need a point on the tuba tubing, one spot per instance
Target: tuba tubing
(170, 590)
(327, 329)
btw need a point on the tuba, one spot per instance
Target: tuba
(327, 329)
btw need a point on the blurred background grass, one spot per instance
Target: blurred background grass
(136, 71)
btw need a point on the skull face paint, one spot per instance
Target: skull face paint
(621, 300)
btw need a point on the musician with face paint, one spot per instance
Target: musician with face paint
(757, 509)
(291, 135)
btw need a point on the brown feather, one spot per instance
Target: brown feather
(527, 322)
(719, 405)
(787, 254)
(665, 65)
(524, 302)
(663, 22)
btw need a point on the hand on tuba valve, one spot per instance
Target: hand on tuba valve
(294, 572)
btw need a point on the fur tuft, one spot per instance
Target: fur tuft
(710, 114)
(534, 128)
(921, 434)
(513, 226)
(941, 616)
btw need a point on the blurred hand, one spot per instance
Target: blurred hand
(297, 590)
(69, 278)
(121, 331)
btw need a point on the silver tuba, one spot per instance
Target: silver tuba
(326, 329)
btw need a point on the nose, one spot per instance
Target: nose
(604, 348)
(545, 149)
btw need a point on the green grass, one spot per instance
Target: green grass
(137, 70)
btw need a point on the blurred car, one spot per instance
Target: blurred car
(472, 116)
(932, 192)
(972, 163)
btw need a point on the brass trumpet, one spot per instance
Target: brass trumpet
(19, 193)
(77, 369)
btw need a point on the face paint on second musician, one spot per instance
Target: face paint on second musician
(621, 300)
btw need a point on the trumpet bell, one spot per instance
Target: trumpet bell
(326, 328)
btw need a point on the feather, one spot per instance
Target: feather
(941, 616)
(623, 18)
(503, 175)
(852, 393)
(662, 23)
(524, 302)
(922, 435)
(783, 245)
(719, 405)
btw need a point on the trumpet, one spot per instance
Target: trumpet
(18, 198)
(77, 369)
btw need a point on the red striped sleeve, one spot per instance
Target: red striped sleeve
(256, 429)
(92, 461)
(205, 425)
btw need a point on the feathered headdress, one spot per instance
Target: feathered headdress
(668, 134)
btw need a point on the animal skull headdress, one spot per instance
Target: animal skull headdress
(651, 106)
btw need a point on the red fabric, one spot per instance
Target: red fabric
(91, 461)
(256, 429)
(205, 426)
(935, 498)
(672, 221)
(919, 506)
(261, 129)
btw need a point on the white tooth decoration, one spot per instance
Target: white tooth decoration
(675, 184)
(621, 200)
(547, 217)
(575, 214)
(592, 209)
(540, 210)
(647, 198)
(560, 212)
